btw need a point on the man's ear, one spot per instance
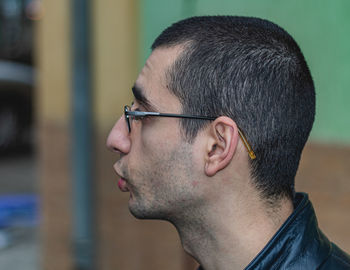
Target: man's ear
(221, 144)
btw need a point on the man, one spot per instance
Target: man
(222, 110)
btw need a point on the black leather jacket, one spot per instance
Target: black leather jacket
(300, 244)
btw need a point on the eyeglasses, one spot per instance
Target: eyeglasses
(139, 115)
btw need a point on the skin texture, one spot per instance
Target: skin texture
(204, 188)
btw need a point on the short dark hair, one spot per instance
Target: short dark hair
(252, 71)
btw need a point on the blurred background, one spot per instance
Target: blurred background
(66, 68)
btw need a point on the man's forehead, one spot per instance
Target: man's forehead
(166, 55)
(151, 83)
(160, 60)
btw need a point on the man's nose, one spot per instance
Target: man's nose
(118, 139)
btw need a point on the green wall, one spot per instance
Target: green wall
(321, 28)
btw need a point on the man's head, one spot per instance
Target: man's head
(245, 72)
(254, 72)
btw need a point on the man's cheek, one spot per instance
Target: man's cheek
(151, 141)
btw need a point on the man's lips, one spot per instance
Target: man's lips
(122, 182)
(122, 185)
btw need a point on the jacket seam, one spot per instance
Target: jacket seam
(341, 259)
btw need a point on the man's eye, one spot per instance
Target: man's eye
(133, 105)
(134, 117)
(137, 117)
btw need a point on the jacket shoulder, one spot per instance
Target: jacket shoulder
(337, 259)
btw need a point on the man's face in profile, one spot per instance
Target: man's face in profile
(156, 163)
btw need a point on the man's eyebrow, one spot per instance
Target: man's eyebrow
(140, 97)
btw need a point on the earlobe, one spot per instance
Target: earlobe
(221, 145)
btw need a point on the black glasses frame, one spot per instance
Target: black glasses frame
(138, 115)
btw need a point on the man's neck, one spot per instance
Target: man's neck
(229, 234)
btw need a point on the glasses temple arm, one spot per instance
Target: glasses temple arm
(247, 145)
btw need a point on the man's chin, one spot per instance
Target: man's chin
(137, 213)
(136, 209)
(143, 213)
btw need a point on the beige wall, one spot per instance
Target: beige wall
(115, 57)
(52, 105)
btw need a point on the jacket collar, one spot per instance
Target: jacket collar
(298, 243)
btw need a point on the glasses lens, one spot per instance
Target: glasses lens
(127, 119)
